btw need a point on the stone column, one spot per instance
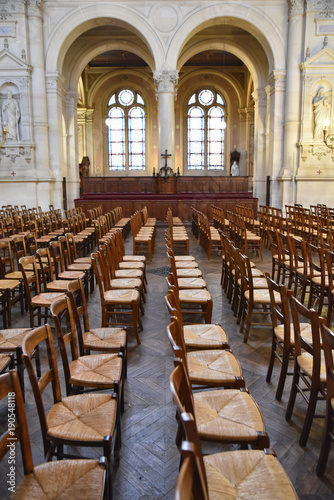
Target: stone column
(293, 96)
(260, 171)
(90, 140)
(38, 88)
(166, 82)
(54, 94)
(276, 94)
(72, 160)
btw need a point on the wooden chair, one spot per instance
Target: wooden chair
(84, 420)
(94, 339)
(319, 284)
(253, 300)
(50, 284)
(329, 256)
(81, 266)
(193, 301)
(38, 301)
(91, 371)
(115, 304)
(239, 471)
(230, 416)
(206, 368)
(328, 435)
(309, 366)
(142, 236)
(283, 342)
(77, 479)
(197, 336)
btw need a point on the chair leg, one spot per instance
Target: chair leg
(136, 320)
(326, 442)
(271, 360)
(282, 377)
(293, 395)
(309, 416)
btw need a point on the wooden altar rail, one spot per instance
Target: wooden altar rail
(178, 184)
(157, 204)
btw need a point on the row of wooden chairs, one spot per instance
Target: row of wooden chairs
(97, 415)
(224, 414)
(243, 238)
(143, 235)
(208, 235)
(178, 233)
(302, 337)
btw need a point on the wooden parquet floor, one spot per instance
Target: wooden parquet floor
(149, 458)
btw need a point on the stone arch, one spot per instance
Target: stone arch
(252, 20)
(70, 27)
(252, 63)
(86, 55)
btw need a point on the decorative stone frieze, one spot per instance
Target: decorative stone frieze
(16, 7)
(318, 5)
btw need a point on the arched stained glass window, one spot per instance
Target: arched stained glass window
(206, 131)
(126, 131)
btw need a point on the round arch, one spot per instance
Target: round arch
(86, 54)
(104, 78)
(251, 20)
(252, 62)
(79, 20)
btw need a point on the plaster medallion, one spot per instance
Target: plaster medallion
(165, 18)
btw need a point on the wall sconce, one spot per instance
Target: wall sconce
(328, 138)
(4, 134)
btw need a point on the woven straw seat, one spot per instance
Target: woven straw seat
(82, 479)
(57, 286)
(261, 296)
(132, 265)
(305, 362)
(121, 296)
(134, 258)
(125, 283)
(129, 273)
(240, 474)
(9, 283)
(186, 264)
(206, 336)
(183, 258)
(194, 296)
(81, 417)
(188, 273)
(191, 283)
(250, 474)
(71, 275)
(12, 338)
(104, 338)
(213, 368)
(305, 331)
(45, 299)
(96, 369)
(208, 368)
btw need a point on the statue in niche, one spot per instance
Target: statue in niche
(10, 116)
(321, 111)
(235, 169)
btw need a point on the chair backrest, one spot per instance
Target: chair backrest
(327, 336)
(61, 309)
(280, 309)
(42, 336)
(76, 294)
(57, 256)
(17, 430)
(189, 483)
(28, 268)
(31, 243)
(181, 388)
(194, 447)
(298, 310)
(6, 257)
(45, 265)
(176, 340)
(20, 247)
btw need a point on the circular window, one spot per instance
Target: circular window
(206, 97)
(126, 97)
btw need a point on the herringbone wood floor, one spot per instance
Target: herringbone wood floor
(149, 458)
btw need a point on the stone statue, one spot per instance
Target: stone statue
(235, 169)
(10, 116)
(321, 111)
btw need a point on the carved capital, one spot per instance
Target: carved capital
(35, 7)
(296, 7)
(165, 80)
(260, 97)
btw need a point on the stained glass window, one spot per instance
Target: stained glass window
(126, 131)
(206, 131)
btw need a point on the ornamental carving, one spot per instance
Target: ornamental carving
(165, 80)
(17, 6)
(296, 7)
(319, 5)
